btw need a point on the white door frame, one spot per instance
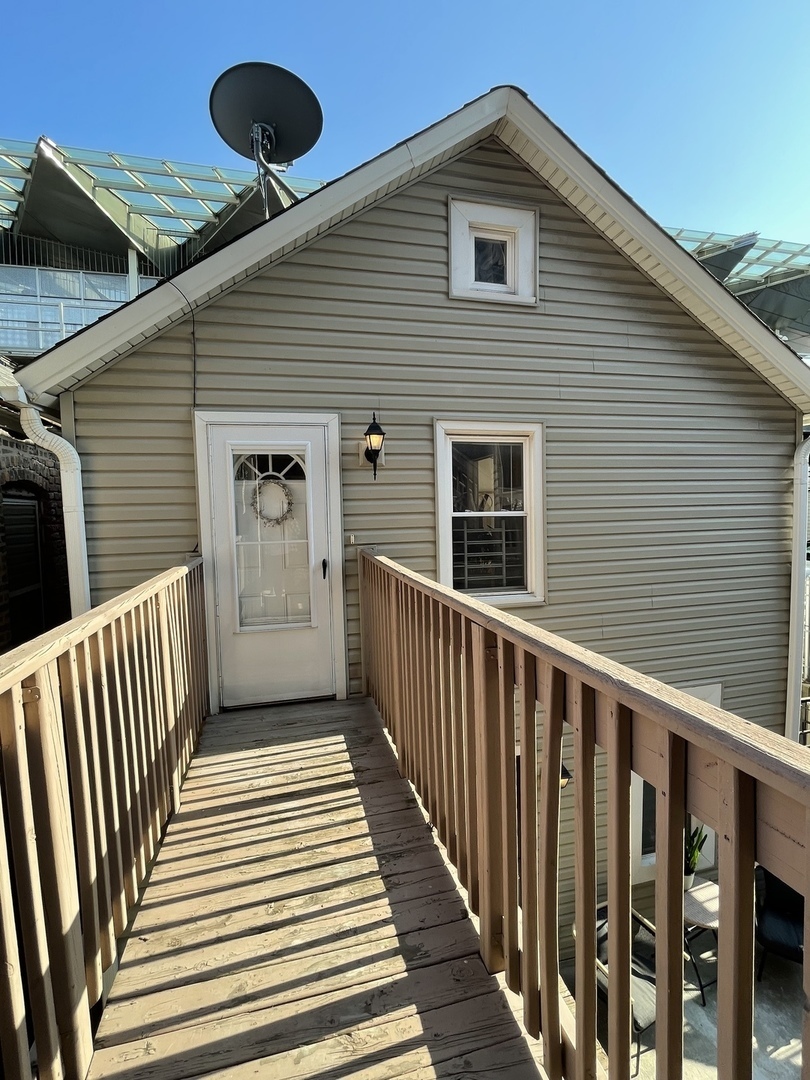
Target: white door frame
(330, 422)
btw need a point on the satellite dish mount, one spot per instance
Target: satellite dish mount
(266, 113)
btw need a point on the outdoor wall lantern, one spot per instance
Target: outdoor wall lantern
(375, 437)
(565, 777)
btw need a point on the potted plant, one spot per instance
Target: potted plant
(694, 845)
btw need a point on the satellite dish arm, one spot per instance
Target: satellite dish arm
(263, 143)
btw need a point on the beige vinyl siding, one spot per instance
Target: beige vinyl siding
(667, 461)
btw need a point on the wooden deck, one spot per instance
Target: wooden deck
(300, 922)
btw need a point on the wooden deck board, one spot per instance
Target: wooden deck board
(300, 922)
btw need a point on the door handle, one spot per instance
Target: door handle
(324, 564)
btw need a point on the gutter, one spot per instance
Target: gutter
(70, 472)
(797, 589)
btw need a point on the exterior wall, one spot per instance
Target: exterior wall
(25, 465)
(668, 462)
(667, 488)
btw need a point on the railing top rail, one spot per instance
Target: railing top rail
(755, 750)
(23, 661)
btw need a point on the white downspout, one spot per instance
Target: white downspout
(71, 476)
(797, 590)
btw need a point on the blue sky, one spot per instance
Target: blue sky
(699, 110)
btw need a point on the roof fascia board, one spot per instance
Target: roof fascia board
(154, 310)
(629, 229)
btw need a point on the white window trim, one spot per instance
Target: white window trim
(515, 224)
(450, 431)
(643, 866)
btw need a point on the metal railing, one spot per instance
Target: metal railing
(461, 686)
(98, 721)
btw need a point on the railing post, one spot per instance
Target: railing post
(488, 779)
(735, 962)
(169, 698)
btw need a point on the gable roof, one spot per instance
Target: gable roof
(505, 113)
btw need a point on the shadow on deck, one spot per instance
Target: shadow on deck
(301, 922)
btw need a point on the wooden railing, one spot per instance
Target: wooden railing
(461, 686)
(98, 721)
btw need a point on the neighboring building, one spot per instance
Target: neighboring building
(583, 426)
(33, 562)
(771, 277)
(82, 231)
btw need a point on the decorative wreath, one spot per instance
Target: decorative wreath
(272, 502)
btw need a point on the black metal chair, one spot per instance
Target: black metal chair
(780, 919)
(642, 971)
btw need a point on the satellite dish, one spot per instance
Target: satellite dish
(266, 113)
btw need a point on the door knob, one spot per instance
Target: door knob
(324, 564)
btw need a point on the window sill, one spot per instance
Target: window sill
(507, 600)
(493, 296)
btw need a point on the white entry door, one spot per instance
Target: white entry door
(274, 533)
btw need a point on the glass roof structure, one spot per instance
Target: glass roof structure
(772, 277)
(158, 204)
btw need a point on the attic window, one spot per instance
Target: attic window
(493, 252)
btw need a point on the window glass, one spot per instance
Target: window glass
(62, 283)
(18, 280)
(490, 261)
(489, 531)
(272, 540)
(106, 287)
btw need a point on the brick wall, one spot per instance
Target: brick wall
(26, 466)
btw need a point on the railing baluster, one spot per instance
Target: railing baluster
(551, 692)
(78, 763)
(527, 814)
(508, 821)
(396, 668)
(457, 727)
(735, 962)
(436, 740)
(174, 737)
(617, 720)
(446, 697)
(470, 764)
(100, 831)
(139, 810)
(155, 678)
(97, 689)
(488, 775)
(57, 864)
(14, 1056)
(410, 758)
(428, 791)
(118, 749)
(670, 810)
(22, 827)
(148, 720)
(580, 708)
